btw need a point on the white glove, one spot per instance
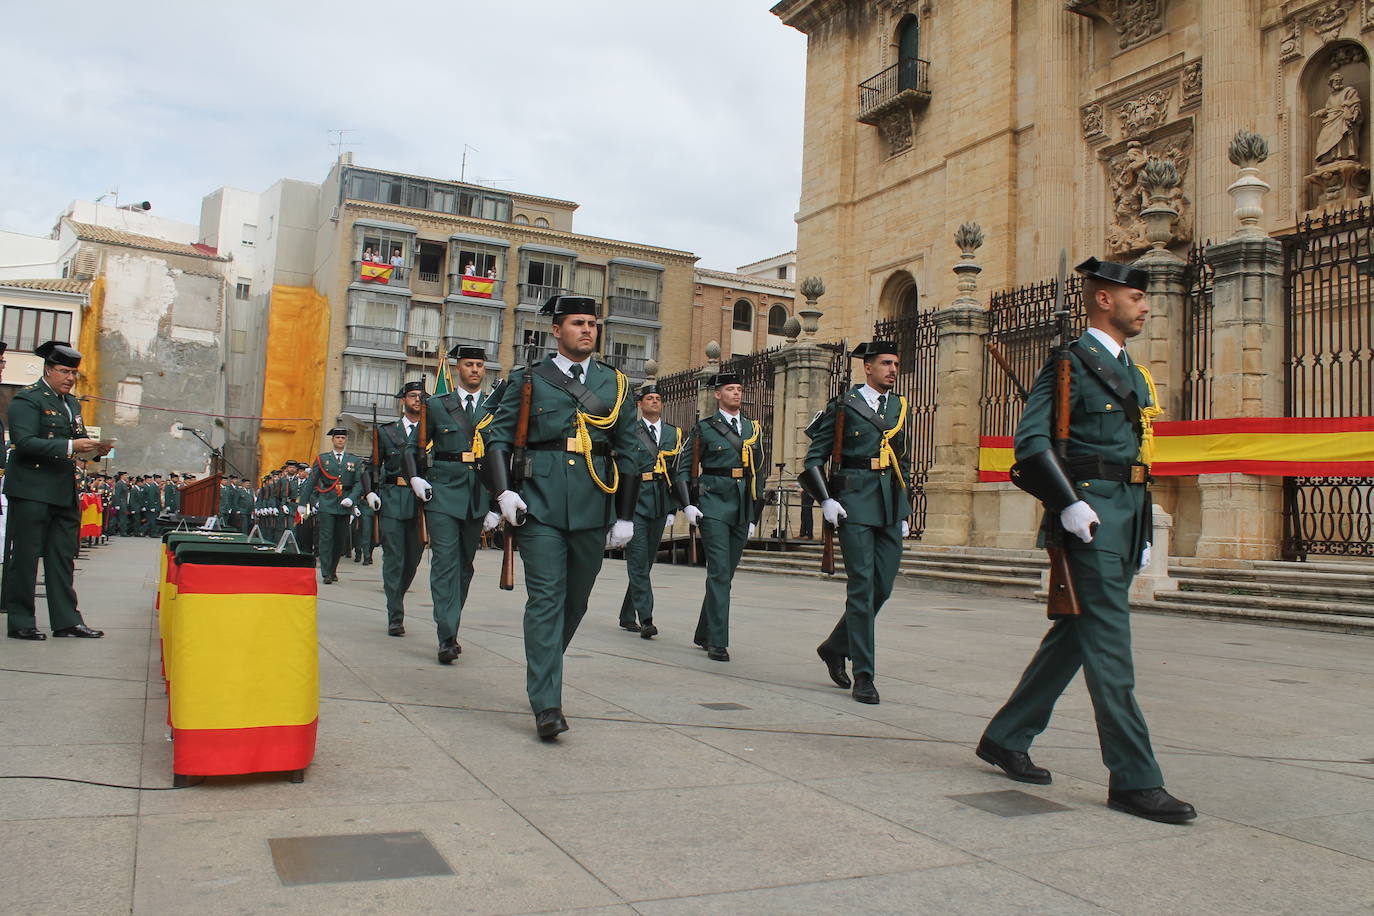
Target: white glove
(693, 515)
(752, 529)
(422, 488)
(833, 512)
(491, 521)
(357, 513)
(374, 501)
(906, 528)
(668, 522)
(510, 503)
(274, 511)
(346, 503)
(1144, 558)
(1079, 519)
(620, 534)
(285, 509)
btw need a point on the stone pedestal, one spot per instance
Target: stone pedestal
(1242, 517)
(1157, 346)
(1335, 184)
(801, 387)
(960, 329)
(1155, 578)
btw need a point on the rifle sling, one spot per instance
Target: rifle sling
(584, 396)
(1109, 377)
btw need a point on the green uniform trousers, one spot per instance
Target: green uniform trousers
(400, 559)
(362, 542)
(333, 539)
(640, 554)
(1099, 642)
(560, 570)
(122, 522)
(452, 545)
(724, 545)
(36, 530)
(871, 555)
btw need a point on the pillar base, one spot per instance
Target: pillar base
(1242, 517)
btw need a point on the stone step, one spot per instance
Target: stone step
(1280, 602)
(1288, 590)
(1340, 623)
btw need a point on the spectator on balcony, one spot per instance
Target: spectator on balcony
(369, 255)
(469, 269)
(396, 260)
(491, 273)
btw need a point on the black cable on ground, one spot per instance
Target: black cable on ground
(110, 785)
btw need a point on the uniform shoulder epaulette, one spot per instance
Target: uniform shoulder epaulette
(449, 400)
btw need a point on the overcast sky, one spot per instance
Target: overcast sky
(670, 124)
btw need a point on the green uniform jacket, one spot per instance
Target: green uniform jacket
(457, 491)
(41, 432)
(724, 498)
(559, 490)
(656, 495)
(1097, 426)
(4, 446)
(121, 496)
(869, 497)
(327, 470)
(398, 499)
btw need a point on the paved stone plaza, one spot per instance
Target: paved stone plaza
(685, 785)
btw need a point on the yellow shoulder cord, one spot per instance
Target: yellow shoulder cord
(584, 436)
(479, 447)
(660, 465)
(747, 457)
(887, 455)
(1147, 419)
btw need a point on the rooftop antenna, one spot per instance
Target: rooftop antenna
(112, 193)
(463, 169)
(339, 141)
(494, 181)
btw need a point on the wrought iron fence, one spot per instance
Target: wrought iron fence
(679, 393)
(756, 373)
(1329, 372)
(878, 93)
(1197, 336)
(916, 340)
(1021, 323)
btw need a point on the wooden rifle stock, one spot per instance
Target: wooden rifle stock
(1063, 598)
(376, 479)
(517, 477)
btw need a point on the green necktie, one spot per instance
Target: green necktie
(734, 424)
(882, 403)
(1123, 358)
(576, 372)
(471, 407)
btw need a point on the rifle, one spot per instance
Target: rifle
(836, 478)
(376, 476)
(1001, 360)
(1063, 600)
(421, 446)
(694, 479)
(518, 471)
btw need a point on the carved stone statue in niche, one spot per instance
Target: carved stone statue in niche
(1125, 165)
(1341, 117)
(1337, 84)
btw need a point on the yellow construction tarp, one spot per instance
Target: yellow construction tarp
(297, 344)
(88, 342)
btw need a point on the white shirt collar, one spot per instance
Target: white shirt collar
(728, 415)
(655, 425)
(870, 395)
(338, 456)
(564, 365)
(1105, 339)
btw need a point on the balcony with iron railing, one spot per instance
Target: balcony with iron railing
(633, 366)
(425, 283)
(632, 307)
(376, 273)
(536, 294)
(906, 84)
(360, 403)
(371, 338)
(478, 288)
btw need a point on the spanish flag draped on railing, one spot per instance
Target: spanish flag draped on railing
(1266, 446)
(372, 272)
(91, 517)
(479, 287)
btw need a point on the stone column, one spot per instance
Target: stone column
(961, 327)
(1242, 514)
(801, 387)
(1231, 56)
(1056, 121)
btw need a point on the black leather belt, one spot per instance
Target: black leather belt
(567, 445)
(860, 464)
(652, 475)
(736, 473)
(1092, 467)
(466, 457)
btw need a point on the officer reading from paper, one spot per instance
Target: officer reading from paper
(1100, 497)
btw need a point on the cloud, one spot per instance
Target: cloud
(672, 125)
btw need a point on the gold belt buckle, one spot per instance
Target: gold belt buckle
(737, 473)
(573, 445)
(401, 482)
(1138, 472)
(875, 464)
(647, 476)
(468, 457)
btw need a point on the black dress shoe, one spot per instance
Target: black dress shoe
(648, 631)
(397, 630)
(367, 562)
(1151, 804)
(449, 650)
(834, 664)
(550, 723)
(717, 654)
(80, 631)
(864, 691)
(28, 633)
(631, 626)
(1016, 764)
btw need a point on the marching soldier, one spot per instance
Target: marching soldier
(662, 443)
(724, 469)
(580, 478)
(396, 484)
(363, 525)
(1099, 495)
(868, 504)
(334, 485)
(44, 514)
(460, 508)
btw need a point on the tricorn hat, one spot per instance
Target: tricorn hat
(408, 387)
(59, 352)
(337, 431)
(569, 305)
(873, 349)
(1112, 272)
(721, 379)
(462, 351)
(647, 389)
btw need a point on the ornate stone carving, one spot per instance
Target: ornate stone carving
(1145, 113)
(1133, 189)
(1341, 117)
(1339, 181)
(1135, 20)
(1093, 126)
(1290, 41)
(896, 130)
(1328, 20)
(1192, 85)
(1367, 20)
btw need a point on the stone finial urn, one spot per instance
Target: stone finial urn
(812, 288)
(1159, 177)
(1248, 149)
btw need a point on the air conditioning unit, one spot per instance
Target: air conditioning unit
(425, 347)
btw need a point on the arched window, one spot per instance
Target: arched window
(777, 316)
(541, 223)
(908, 52)
(521, 220)
(744, 315)
(899, 296)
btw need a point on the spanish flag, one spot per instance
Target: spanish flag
(90, 515)
(478, 287)
(370, 272)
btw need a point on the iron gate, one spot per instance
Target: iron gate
(756, 372)
(1197, 336)
(915, 338)
(1329, 372)
(679, 393)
